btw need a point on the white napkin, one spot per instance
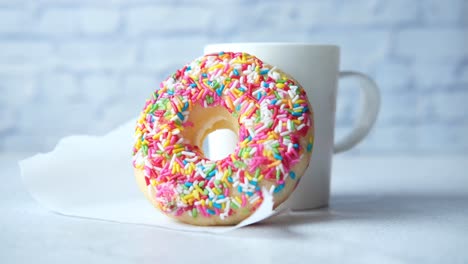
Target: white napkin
(92, 177)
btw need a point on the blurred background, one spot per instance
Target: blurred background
(72, 67)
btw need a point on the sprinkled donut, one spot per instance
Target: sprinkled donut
(265, 107)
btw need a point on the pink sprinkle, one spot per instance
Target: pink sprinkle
(244, 200)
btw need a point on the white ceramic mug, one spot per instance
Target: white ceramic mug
(316, 68)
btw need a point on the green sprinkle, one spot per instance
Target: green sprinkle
(145, 150)
(201, 184)
(194, 212)
(257, 172)
(233, 205)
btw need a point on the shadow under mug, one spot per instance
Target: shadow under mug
(316, 68)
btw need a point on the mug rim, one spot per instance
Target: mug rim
(273, 44)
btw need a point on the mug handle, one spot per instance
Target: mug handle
(370, 104)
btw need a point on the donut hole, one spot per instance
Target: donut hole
(214, 131)
(219, 144)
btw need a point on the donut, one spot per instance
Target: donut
(266, 108)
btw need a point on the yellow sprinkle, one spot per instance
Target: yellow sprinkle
(215, 190)
(280, 85)
(249, 177)
(238, 199)
(153, 182)
(198, 188)
(210, 204)
(196, 194)
(202, 202)
(260, 178)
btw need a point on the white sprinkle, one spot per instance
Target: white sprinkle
(253, 150)
(254, 198)
(300, 127)
(234, 83)
(172, 161)
(192, 159)
(272, 189)
(222, 200)
(190, 154)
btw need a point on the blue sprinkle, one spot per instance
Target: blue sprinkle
(253, 182)
(212, 173)
(221, 196)
(180, 115)
(296, 114)
(249, 193)
(230, 179)
(279, 188)
(185, 162)
(305, 109)
(278, 157)
(238, 107)
(211, 212)
(292, 174)
(309, 147)
(262, 72)
(257, 188)
(185, 106)
(296, 146)
(259, 96)
(219, 91)
(249, 138)
(265, 84)
(242, 89)
(188, 184)
(204, 75)
(193, 85)
(221, 53)
(188, 68)
(170, 92)
(235, 72)
(217, 205)
(274, 101)
(296, 105)
(239, 189)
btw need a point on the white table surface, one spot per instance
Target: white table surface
(383, 210)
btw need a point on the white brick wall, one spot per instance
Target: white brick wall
(70, 66)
